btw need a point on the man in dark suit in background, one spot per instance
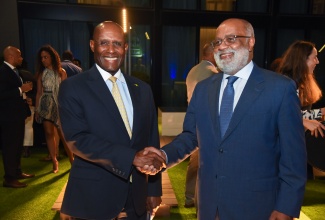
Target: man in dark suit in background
(252, 166)
(68, 65)
(107, 139)
(13, 112)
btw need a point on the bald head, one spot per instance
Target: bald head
(207, 53)
(107, 25)
(12, 55)
(109, 46)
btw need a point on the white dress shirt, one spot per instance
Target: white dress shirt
(239, 84)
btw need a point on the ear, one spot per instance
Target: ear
(91, 44)
(251, 43)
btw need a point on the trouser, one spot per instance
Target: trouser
(12, 137)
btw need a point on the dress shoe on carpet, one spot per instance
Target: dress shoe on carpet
(25, 176)
(13, 184)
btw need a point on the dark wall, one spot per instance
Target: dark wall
(8, 25)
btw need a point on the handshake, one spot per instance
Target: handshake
(150, 160)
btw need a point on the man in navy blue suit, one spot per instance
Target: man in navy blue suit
(104, 182)
(257, 169)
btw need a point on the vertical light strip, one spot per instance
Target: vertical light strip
(124, 20)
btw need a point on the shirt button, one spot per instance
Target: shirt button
(221, 150)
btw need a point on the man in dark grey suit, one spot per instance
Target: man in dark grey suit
(13, 112)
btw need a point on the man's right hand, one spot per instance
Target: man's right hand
(26, 87)
(149, 161)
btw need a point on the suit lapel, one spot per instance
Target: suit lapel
(135, 94)
(98, 86)
(253, 88)
(213, 92)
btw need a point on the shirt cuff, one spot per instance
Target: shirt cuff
(21, 92)
(165, 155)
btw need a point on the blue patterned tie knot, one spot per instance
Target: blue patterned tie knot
(227, 104)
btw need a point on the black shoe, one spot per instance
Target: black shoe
(13, 184)
(25, 176)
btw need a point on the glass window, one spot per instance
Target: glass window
(139, 52)
(233, 5)
(251, 5)
(294, 6)
(318, 6)
(259, 48)
(178, 57)
(180, 4)
(285, 37)
(218, 5)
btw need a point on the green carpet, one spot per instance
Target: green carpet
(35, 201)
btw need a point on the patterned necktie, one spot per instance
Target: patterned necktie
(120, 105)
(227, 104)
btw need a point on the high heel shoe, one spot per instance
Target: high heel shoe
(55, 166)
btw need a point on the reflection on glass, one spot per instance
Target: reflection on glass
(180, 4)
(140, 52)
(121, 3)
(218, 5)
(318, 6)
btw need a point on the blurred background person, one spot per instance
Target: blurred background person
(70, 68)
(13, 112)
(49, 76)
(77, 62)
(201, 71)
(27, 76)
(298, 62)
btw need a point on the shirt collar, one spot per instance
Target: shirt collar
(11, 66)
(106, 75)
(244, 73)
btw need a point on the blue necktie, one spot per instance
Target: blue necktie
(227, 104)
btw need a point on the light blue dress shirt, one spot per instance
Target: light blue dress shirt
(123, 88)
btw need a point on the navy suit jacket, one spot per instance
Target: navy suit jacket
(260, 164)
(99, 179)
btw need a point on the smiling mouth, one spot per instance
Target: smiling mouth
(110, 58)
(226, 55)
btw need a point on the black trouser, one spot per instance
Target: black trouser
(12, 139)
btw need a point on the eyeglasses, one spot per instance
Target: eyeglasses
(230, 39)
(105, 43)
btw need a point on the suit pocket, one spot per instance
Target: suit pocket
(85, 173)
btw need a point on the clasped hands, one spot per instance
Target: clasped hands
(150, 160)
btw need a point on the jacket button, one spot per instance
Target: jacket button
(221, 150)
